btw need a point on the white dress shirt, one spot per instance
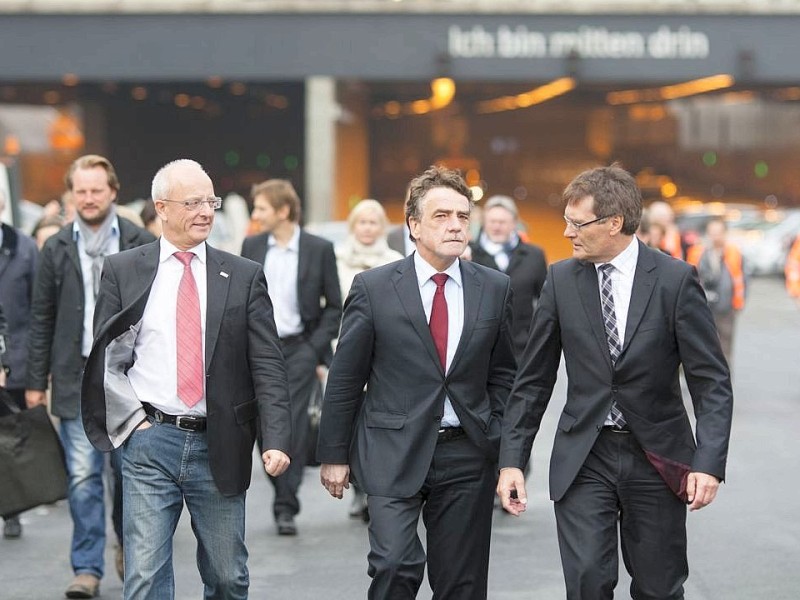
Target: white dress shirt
(622, 283)
(154, 374)
(621, 288)
(454, 294)
(280, 267)
(88, 282)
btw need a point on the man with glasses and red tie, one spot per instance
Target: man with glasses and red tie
(625, 461)
(430, 337)
(181, 392)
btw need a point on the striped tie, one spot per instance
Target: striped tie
(189, 335)
(612, 335)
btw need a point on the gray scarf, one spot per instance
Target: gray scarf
(96, 244)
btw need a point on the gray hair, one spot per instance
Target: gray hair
(503, 202)
(162, 182)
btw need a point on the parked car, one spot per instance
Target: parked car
(692, 218)
(765, 243)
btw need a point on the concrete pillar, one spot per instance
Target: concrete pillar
(322, 111)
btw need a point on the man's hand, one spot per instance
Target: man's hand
(701, 489)
(275, 462)
(335, 479)
(511, 489)
(2, 377)
(35, 398)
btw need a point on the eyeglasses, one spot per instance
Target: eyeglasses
(579, 226)
(194, 204)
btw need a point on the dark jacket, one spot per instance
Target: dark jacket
(669, 326)
(318, 291)
(56, 332)
(527, 269)
(388, 435)
(244, 367)
(18, 257)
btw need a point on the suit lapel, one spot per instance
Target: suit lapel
(516, 258)
(589, 292)
(407, 286)
(218, 281)
(643, 283)
(303, 265)
(473, 291)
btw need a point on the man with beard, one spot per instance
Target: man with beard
(60, 339)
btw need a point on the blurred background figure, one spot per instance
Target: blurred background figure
(150, 218)
(45, 227)
(304, 289)
(18, 257)
(661, 214)
(719, 265)
(365, 247)
(651, 234)
(499, 247)
(792, 270)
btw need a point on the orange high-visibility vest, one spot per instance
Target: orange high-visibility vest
(792, 270)
(672, 243)
(733, 262)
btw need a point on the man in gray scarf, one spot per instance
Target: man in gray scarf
(61, 338)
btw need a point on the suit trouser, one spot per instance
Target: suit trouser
(617, 484)
(301, 371)
(456, 505)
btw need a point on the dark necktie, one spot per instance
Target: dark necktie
(612, 335)
(189, 335)
(438, 322)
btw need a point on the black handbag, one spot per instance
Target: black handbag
(32, 466)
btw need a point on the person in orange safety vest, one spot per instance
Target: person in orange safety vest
(792, 270)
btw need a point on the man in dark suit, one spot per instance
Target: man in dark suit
(627, 317)
(430, 337)
(186, 362)
(499, 247)
(60, 338)
(304, 288)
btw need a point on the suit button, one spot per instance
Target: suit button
(437, 419)
(614, 389)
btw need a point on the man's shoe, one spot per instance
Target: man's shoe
(84, 585)
(119, 562)
(285, 524)
(12, 528)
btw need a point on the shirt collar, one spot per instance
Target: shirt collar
(167, 249)
(76, 229)
(625, 261)
(425, 271)
(294, 242)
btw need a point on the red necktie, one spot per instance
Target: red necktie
(438, 322)
(189, 335)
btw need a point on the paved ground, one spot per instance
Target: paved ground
(744, 547)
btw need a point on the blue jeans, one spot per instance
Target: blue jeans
(163, 467)
(86, 500)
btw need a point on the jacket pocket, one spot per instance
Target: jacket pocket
(484, 323)
(384, 420)
(246, 411)
(566, 422)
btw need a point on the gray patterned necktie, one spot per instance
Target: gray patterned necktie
(612, 334)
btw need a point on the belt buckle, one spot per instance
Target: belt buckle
(179, 423)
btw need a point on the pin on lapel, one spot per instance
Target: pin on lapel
(224, 274)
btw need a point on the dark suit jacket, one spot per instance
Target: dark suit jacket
(56, 332)
(245, 372)
(318, 289)
(669, 325)
(527, 269)
(18, 256)
(388, 436)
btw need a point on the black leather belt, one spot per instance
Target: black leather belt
(451, 433)
(293, 339)
(184, 422)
